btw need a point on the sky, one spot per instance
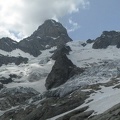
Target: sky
(83, 19)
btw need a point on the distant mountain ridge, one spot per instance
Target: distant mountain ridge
(49, 34)
(7, 44)
(60, 80)
(107, 38)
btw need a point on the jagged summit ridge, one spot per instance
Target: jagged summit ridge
(7, 44)
(49, 34)
(107, 38)
(51, 28)
(94, 85)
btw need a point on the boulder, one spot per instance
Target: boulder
(90, 41)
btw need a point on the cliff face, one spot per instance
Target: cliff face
(107, 38)
(62, 70)
(49, 34)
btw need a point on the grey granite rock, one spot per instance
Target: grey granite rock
(11, 97)
(7, 44)
(49, 34)
(107, 38)
(7, 59)
(81, 116)
(62, 70)
(111, 114)
(69, 115)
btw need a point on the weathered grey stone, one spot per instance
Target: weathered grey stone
(11, 97)
(111, 114)
(54, 106)
(48, 108)
(69, 115)
(81, 116)
(107, 38)
(4, 80)
(17, 114)
(90, 41)
(83, 44)
(62, 70)
(17, 60)
(61, 50)
(7, 44)
(1, 86)
(50, 33)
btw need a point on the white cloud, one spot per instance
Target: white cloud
(24, 16)
(74, 26)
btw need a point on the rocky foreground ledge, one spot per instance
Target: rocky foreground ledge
(35, 107)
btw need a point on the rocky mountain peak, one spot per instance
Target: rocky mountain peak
(110, 33)
(50, 33)
(63, 68)
(51, 28)
(7, 44)
(107, 38)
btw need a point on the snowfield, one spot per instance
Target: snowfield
(16, 53)
(100, 67)
(85, 56)
(101, 101)
(33, 74)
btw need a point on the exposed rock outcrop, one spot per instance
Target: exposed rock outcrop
(7, 44)
(62, 70)
(90, 41)
(111, 114)
(17, 60)
(69, 115)
(48, 108)
(77, 115)
(1, 86)
(61, 50)
(11, 97)
(49, 34)
(107, 38)
(9, 79)
(4, 80)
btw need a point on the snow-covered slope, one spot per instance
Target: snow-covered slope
(32, 74)
(102, 100)
(85, 56)
(16, 53)
(100, 67)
